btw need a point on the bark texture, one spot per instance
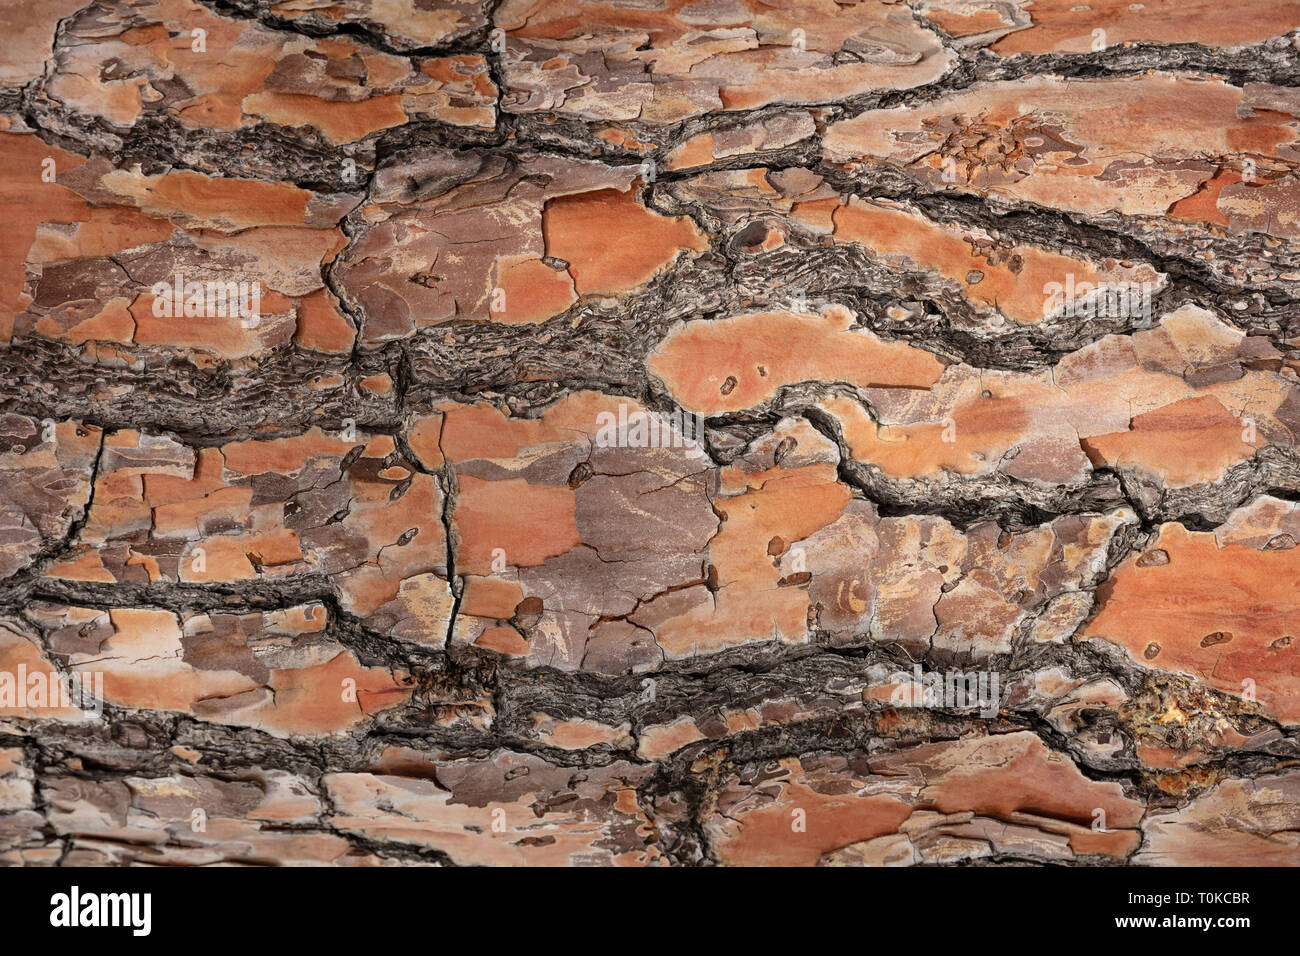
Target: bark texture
(655, 414)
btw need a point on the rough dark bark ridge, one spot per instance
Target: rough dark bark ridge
(670, 433)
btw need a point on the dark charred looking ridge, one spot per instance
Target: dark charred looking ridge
(646, 447)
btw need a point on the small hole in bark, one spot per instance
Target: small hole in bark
(351, 457)
(786, 446)
(581, 473)
(751, 238)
